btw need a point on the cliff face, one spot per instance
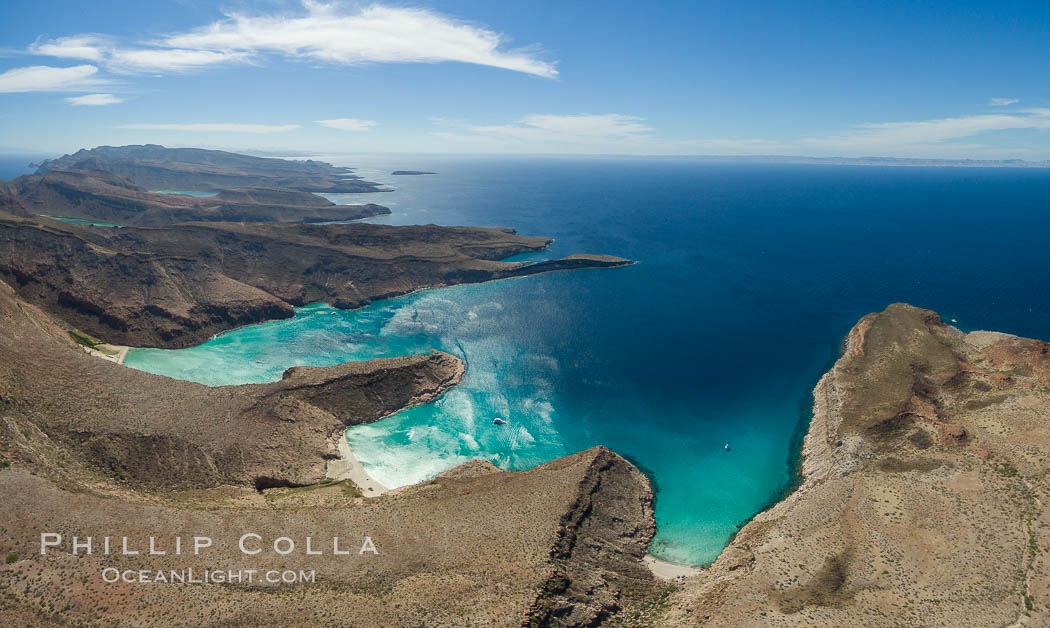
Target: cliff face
(90, 448)
(127, 296)
(199, 170)
(923, 492)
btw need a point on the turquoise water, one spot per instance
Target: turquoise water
(197, 194)
(750, 275)
(81, 221)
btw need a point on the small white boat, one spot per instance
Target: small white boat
(727, 446)
(499, 421)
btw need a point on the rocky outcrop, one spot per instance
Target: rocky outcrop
(198, 170)
(596, 560)
(127, 296)
(570, 262)
(922, 492)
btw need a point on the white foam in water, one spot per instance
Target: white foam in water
(542, 409)
(424, 441)
(458, 405)
(470, 441)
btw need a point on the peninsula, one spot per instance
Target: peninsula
(177, 286)
(99, 195)
(155, 167)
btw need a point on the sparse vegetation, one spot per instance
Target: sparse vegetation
(1007, 469)
(86, 340)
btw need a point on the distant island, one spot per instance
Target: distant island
(156, 167)
(411, 172)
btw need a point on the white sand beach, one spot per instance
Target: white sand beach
(113, 353)
(669, 571)
(348, 468)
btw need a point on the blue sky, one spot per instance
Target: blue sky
(906, 79)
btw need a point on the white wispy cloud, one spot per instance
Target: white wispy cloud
(45, 78)
(135, 60)
(1002, 102)
(575, 129)
(950, 137)
(88, 47)
(221, 127)
(887, 137)
(348, 124)
(94, 100)
(333, 32)
(132, 59)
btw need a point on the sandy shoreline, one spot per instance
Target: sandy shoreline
(669, 571)
(349, 468)
(116, 353)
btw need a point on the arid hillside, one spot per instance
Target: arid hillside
(924, 493)
(101, 196)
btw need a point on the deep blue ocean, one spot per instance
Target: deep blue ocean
(749, 277)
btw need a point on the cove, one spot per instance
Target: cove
(749, 275)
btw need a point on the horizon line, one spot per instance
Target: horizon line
(9, 152)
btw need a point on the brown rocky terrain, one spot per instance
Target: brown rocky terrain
(198, 170)
(151, 431)
(91, 448)
(177, 286)
(100, 196)
(924, 492)
(922, 499)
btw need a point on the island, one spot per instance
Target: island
(156, 167)
(410, 172)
